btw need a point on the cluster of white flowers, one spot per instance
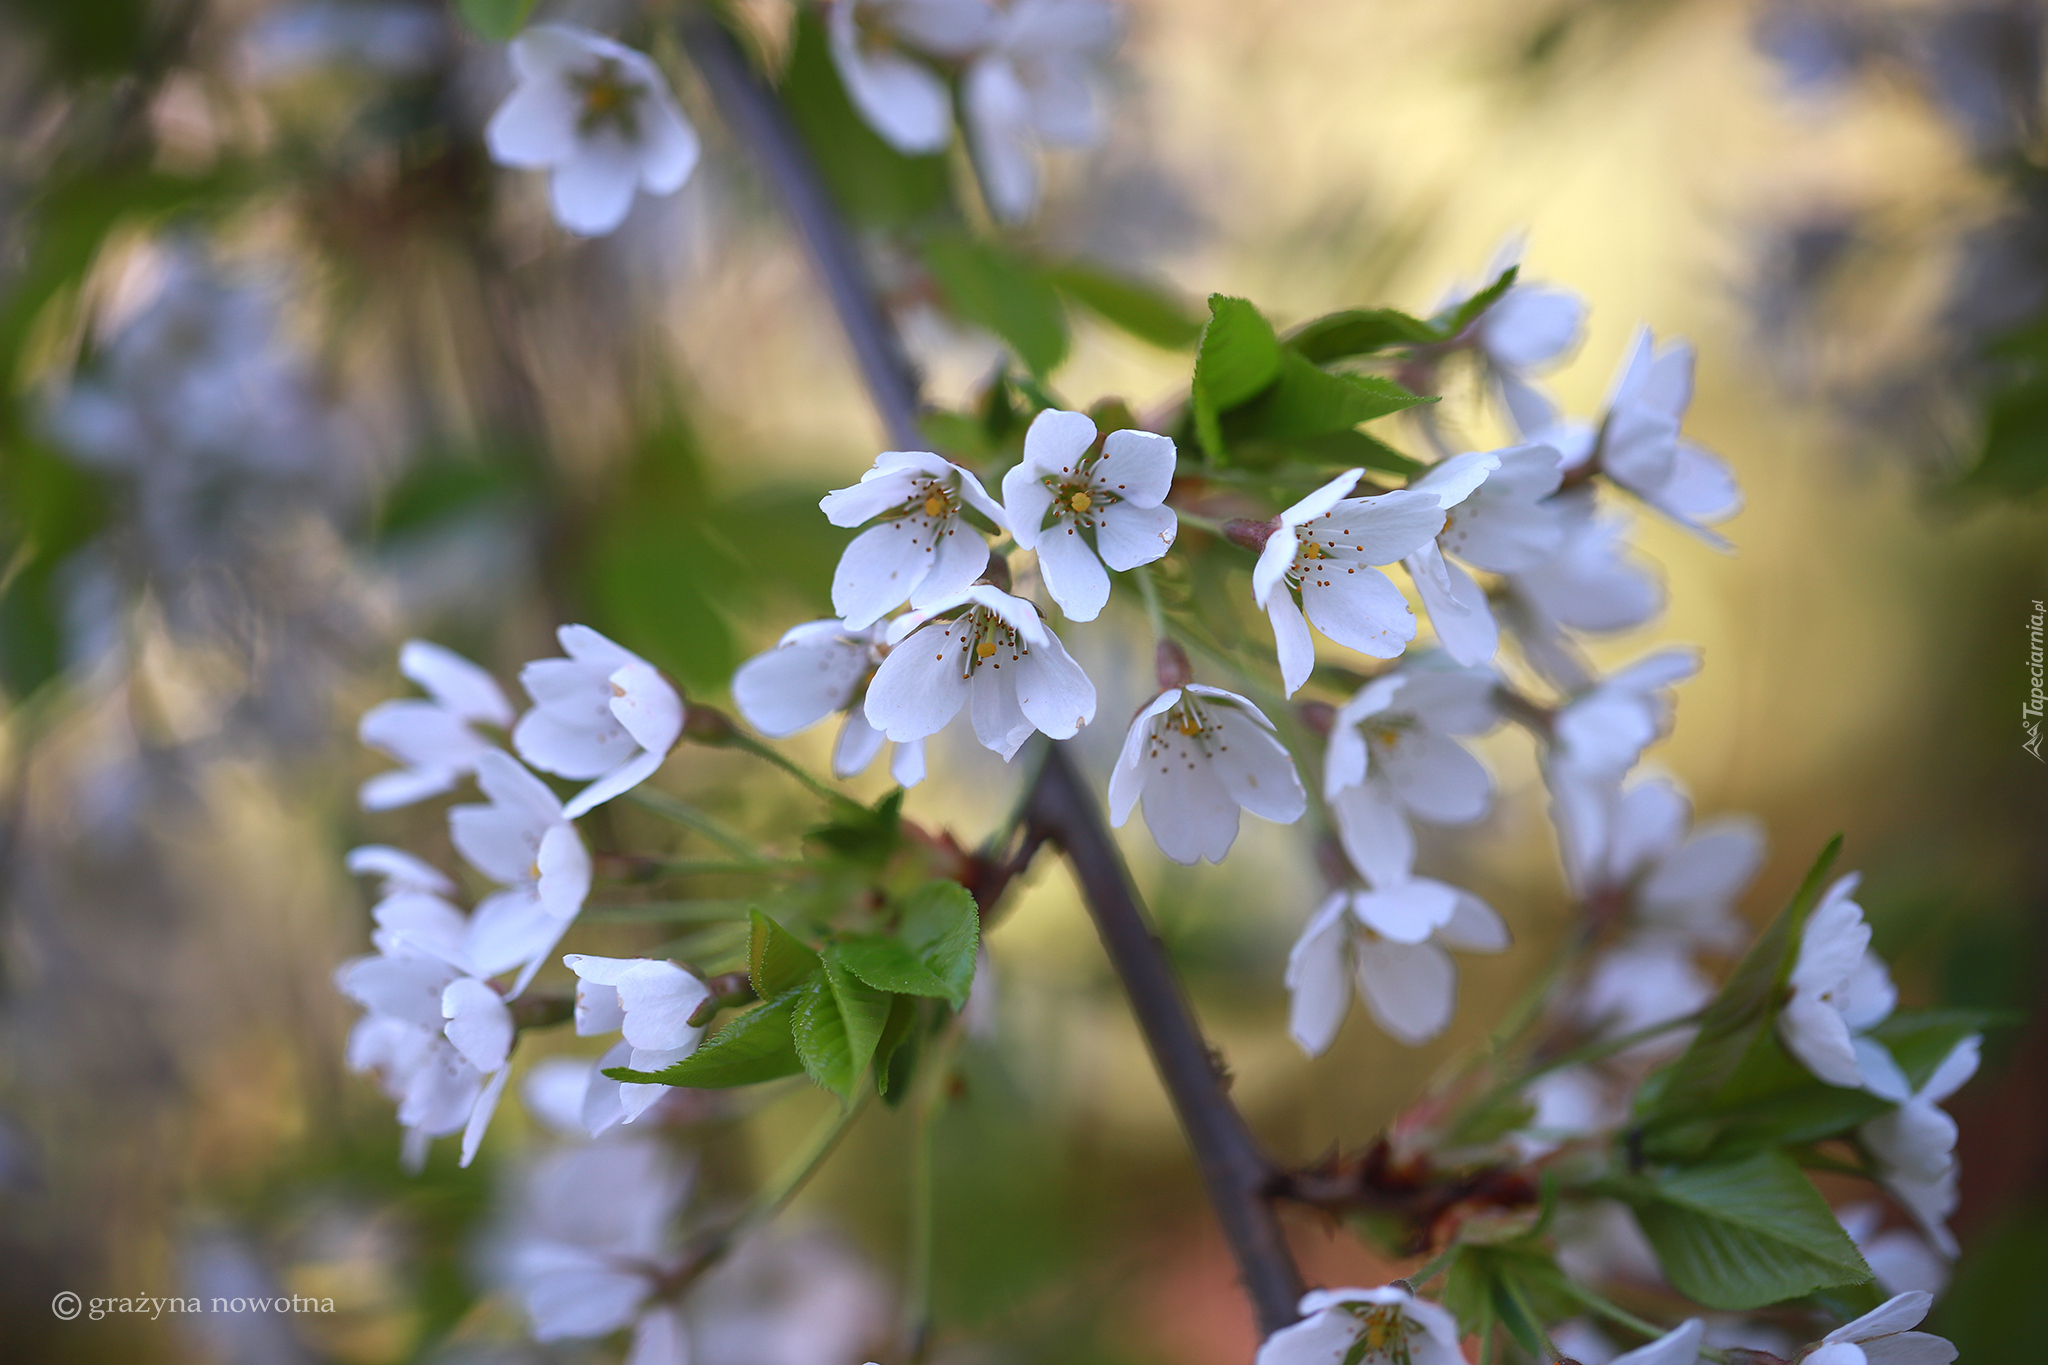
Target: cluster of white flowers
(439, 1030)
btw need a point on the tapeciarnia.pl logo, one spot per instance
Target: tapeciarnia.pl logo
(2030, 710)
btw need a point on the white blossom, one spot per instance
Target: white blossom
(1061, 490)
(1325, 547)
(600, 116)
(650, 1002)
(1592, 583)
(593, 1235)
(995, 653)
(1391, 755)
(1840, 989)
(1679, 1346)
(436, 739)
(821, 667)
(923, 550)
(1915, 1145)
(603, 713)
(1900, 1260)
(1528, 328)
(1644, 980)
(1383, 1326)
(522, 841)
(1884, 1336)
(1677, 880)
(902, 98)
(1195, 755)
(1392, 942)
(1641, 450)
(1498, 518)
(1032, 85)
(788, 1296)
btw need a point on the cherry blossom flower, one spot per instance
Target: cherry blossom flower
(594, 1235)
(1032, 86)
(1883, 1336)
(1644, 980)
(435, 739)
(522, 841)
(600, 116)
(1592, 583)
(1679, 1346)
(1839, 989)
(403, 1040)
(923, 549)
(1640, 448)
(1498, 518)
(603, 713)
(1061, 490)
(996, 653)
(650, 1002)
(1391, 756)
(1915, 1145)
(796, 1296)
(1678, 879)
(902, 98)
(821, 667)
(1195, 755)
(1528, 328)
(1901, 1260)
(1325, 547)
(1392, 942)
(1383, 1326)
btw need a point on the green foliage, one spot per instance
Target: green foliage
(756, 1046)
(2014, 457)
(873, 182)
(988, 284)
(1455, 320)
(1518, 1286)
(896, 1050)
(495, 20)
(1745, 1233)
(1146, 311)
(860, 835)
(777, 961)
(1360, 331)
(836, 1025)
(931, 952)
(1304, 402)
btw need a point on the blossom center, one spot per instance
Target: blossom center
(934, 505)
(1386, 1331)
(982, 637)
(608, 96)
(1080, 502)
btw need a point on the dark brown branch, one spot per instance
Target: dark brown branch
(1060, 809)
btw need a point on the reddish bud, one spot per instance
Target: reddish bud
(997, 574)
(1170, 662)
(1253, 535)
(1318, 716)
(707, 725)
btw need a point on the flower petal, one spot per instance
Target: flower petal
(1319, 977)
(1072, 573)
(922, 684)
(1411, 990)
(1128, 535)
(1137, 466)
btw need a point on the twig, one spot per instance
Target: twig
(1059, 807)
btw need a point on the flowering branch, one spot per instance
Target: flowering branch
(1058, 806)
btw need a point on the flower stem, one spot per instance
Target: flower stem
(1612, 1311)
(689, 817)
(917, 1275)
(1149, 591)
(818, 786)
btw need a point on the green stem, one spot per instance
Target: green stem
(1149, 590)
(1201, 523)
(667, 912)
(917, 1293)
(689, 817)
(1522, 1306)
(818, 786)
(1436, 1267)
(1613, 1312)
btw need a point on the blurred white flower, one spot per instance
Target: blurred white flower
(1883, 1336)
(435, 739)
(1497, 517)
(401, 1039)
(1325, 547)
(1391, 755)
(597, 114)
(1528, 328)
(594, 1233)
(1591, 584)
(902, 98)
(1640, 448)
(1840, 989)
(522, 841)
(789, 1296)
(1392, 942)
(995, 652)
(1383, 1326)
(650, 1002)
(1679, 1346)
(816, 669)
(1915, 1146)
(923, 550)
(1032, 85)
(1196, 755)
(603, 713)
(1678, 878)
(1060, 490)
(1900, 1260)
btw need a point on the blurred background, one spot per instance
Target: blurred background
(289, 372)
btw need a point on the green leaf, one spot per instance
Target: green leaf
(865, 1010)
(496, 20)
(1921, 1040)
(822, 1044)
(1147, 312)
(861, 834)
(1449, 324)
(1346, 449)
(1744, 1234)
(1239, 357)
(886, 964)
(756, 1046)
(986, 283)
(896, 1052)
(1746, 1005)
(777, 961)
(1360, 331)
(1307, 402)
(873, 182)
(942, 926)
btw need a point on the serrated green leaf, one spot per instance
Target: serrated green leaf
(886, 964)
(1239, 357)
(1745, 1234)
(756, 1046)
(1345, 449)
(822, 1044)
(1745, 1007)
(860, 834)
(1305, 402)
(865, 1009)
(495, 20)
(1456, 320)
(1147, 312)
(777, 960)
(987, 284)
(942, 926)
(872, 181)
(896, 1052)
(1360, 331)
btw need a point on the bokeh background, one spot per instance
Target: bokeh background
(382, 396)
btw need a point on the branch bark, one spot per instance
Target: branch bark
(1059, 807)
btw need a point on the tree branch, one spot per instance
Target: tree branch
(1059, 807)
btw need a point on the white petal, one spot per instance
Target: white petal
(1358, 607)
(1322, 500)
(961, 557)
(1457, 607)
(647, 706)
(1127, 779)
(404, 786)
(659, 1339)
(880, 569)
(1187, 808)
(592, 190)
(1880, 1071)
(1897, 1314)
(1072, 573)
(1374, 833)
(421, 734)
(1679, 1346)
(1128, 535)
(857, 745)
(902, 99)
(1436, 777)
(999, 130)
(1529, 326)
(455, 682)
(1137, 466)
(480, 1115)
(669, 147)
(1475, 927)
(1053, 690)
(999, 723)
(906, 765)
(1411, 990)
(535, 127)
(794, 686)
(1291, 643)
(1255, 766)
(1406, 912)
(598, 1008)
(888, 483)
(1383, 529)
(1955, 1070)
(617, 782)
(1319, 977)
(1057, 440)
(398, 869)
(571, 746)
(478, 1023)
(1026, 500)
(922, 684)
(1813, 1031)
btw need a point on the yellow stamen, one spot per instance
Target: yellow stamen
(934, 505)
(1312, 550)
(985, 648)
(1080, 502)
